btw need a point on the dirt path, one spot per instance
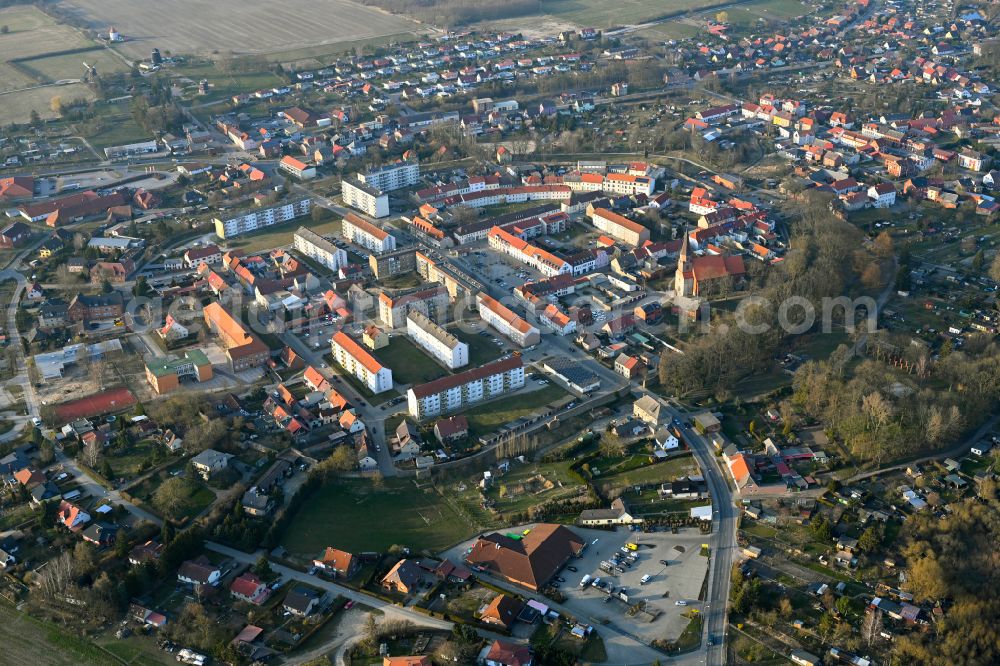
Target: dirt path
(349, 628)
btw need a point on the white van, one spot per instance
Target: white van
(645, 579)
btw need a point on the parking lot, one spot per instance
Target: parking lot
(680, 580)
(501, 270)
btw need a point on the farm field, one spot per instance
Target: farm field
(187, 26)
(593, 14)
(17, 106)
(341, 513)
(26, 640)
(33, 33)
(70, 66)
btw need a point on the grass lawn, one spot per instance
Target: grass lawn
(603, 15)
(27, 640)
(353, 515)
(533, 484)
(116, 130)
(481, 349)
(649, 473)
(590, 651)
(821, 345)
(223, 85)
(691, 636)
(128, 463)
(56, 68)
(409, 363)
(19, 514)
(281, 234)
(198, 500)
(136, 649)
(489, 416)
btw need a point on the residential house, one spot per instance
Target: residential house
(199, 571)
(302, 601)
(403, 578)
(647, 409)
(210, 462)
(502, 611)
(337, 563)
(505, 653)
(247, 587)
(451, 429)
(618, 514)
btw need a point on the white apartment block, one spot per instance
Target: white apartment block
(392, 176)
(452, 393)
(367, 199)
(319, 249)
(367, 235)
(254, 220)
(352, 357)
(436, 341)
(506, 322)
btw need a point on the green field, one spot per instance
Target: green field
(648, 473)
(532, 484)
(280, 235)
(115, 130)
(325, 54)
(18, 106)
(223, 85)
(33, 34)
(353, 515)
(27, 640)
(57, 67)
(487, 417)
(410, 365)
(602, 15)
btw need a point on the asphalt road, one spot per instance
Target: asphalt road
(723, 539)
(390, 610)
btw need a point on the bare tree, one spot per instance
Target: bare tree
(56, 576)
(92, 454)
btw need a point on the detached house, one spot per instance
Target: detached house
(402, 578)
(882, 195)
(199, 571)
(249, 588)
(72, 517)
(337, 562)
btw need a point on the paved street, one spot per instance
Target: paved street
(722, 541)
(390, 610)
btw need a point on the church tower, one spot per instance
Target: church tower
(680, 283)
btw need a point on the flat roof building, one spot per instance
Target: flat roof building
(164, 374)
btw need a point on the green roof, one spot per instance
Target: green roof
(168, 366)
